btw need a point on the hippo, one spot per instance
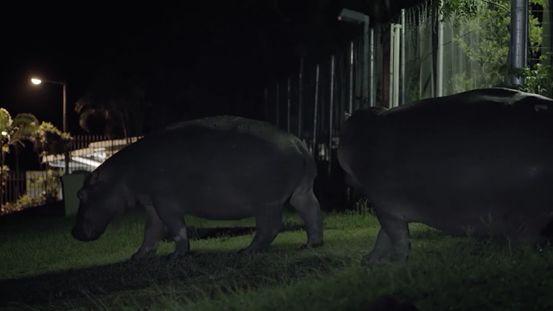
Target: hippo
(477, 163)
(218, 168)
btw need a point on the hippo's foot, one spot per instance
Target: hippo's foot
(252, 250)
(375, 259)
(385, 250)
(143, 254)
(182, 248)
(177, 255)
(311, 245)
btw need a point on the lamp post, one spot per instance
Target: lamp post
(518, 47)
(356, 17)
(37, 81)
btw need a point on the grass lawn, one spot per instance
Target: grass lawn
(43, 267)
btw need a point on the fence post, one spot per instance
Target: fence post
(350, 104)
(330, 114)
(440, 60)
(402, 92)
(277, 105)
(372, 86)
(288, 104)
(300, 99)
(266, 104)
(315, 111)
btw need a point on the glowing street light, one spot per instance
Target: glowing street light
(37, 81)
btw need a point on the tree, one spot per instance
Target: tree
(114, 105)
(26, 127)
(5, 128)
(489, 22)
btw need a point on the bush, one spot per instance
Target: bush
(538, 79)
(25, 201)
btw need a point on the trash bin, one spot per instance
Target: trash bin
(72, 183)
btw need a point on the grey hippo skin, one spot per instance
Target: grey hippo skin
(215, 168)
(477, 163)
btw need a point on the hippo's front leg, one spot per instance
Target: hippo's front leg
(392, 242)
(153, 233)
(172, 217)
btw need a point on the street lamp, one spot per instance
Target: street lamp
(37, 81)
(355, 17)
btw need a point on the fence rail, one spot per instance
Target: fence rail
(29, 189)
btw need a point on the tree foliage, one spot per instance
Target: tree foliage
(489, 22)
(26, 127)
(114, 104)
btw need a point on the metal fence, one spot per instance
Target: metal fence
(417, 55)
(87, 153)
(33, 188)
(28, 189)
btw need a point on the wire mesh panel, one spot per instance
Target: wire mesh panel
(419, 54)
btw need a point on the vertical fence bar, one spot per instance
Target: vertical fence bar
(300, 100)
(395, 31)
(288, 104)
(440, 57)
(358, 75)
(365, 62)
(372, 86)
(403, 25)
(266, 103)
(350, 103)
(277, 105)
(316, 110)
(391, 67)
(331, 113)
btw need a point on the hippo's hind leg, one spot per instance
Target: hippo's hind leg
(172, 217)
(154, 232)
(309, 210)
(392, 242)
(268, 224)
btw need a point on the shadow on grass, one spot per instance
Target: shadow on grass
(209, 271)
(197, 233)
(198, 269)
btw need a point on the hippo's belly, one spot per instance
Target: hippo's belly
(479, 180)
(221, 177)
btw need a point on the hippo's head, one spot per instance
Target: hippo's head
(358, 124)
(356, 130)
(99, 202)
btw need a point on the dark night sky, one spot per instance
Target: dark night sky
(219, 47)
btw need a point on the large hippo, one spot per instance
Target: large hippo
(478, 163)
(216, 168)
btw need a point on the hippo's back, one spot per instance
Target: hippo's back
(226, 161)
(479, 160)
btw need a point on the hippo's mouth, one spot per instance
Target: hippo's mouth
(84, 234)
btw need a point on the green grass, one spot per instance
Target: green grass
(43, 267)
